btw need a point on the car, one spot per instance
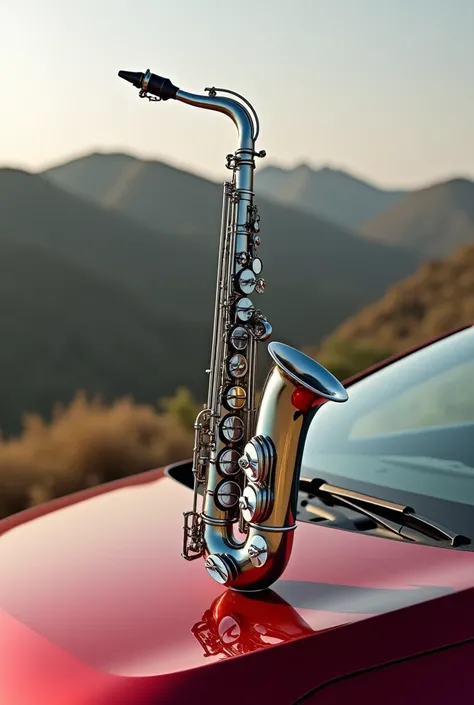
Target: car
(336, 521)
(376, 603)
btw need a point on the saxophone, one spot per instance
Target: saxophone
(246, 461)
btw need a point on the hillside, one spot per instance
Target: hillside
(105, 243)
(153, 193)
(93, 299)
(310, 264)
(134, 186)
(63, 329)
(434, 221)
(438, 297)
(330, 193)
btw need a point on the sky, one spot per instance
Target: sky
(381, 88)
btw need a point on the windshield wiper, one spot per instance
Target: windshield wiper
(397, 518)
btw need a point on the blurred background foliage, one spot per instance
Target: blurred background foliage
(89, 441)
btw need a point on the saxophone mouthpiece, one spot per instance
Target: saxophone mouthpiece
(133, 77)
(150, 83)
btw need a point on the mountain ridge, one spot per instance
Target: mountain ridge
(308, 249)
(73, 225)
(165, 290)
(434, 220)
(149, 234)
(333, 194)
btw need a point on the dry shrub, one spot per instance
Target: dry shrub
(437, 298)
(85, 444)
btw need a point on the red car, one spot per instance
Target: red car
(97, 607)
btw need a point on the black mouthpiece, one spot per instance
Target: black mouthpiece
(150, 83)
(133, 77)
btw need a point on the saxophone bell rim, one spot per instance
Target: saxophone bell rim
(307, 372)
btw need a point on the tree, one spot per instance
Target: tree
(182, 407)
(345, 358)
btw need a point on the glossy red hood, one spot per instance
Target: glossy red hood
(98, 607)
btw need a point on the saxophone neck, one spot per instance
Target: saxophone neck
(236, 111)
(240, 111)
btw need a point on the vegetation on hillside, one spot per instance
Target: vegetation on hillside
(89, 442)
(439, 297)
(345, 358)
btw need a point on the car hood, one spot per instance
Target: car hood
(96, 592)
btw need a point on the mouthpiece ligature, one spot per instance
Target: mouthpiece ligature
(150, 84)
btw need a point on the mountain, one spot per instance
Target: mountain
(312, 266)
(153, 193)
(438, 297)
(434, 220)
(91, 298)
(97, 287)
(106, 243)
(64, 329)
(330, 193)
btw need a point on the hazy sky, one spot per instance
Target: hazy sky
(384, 88)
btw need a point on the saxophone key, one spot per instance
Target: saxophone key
(237, 366)
(244, 309)
(231, 429)
(239, 338)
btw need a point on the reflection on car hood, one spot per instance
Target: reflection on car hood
(96, 594)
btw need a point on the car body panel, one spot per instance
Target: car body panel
(429, 677)
(137, 617)
(98, 607)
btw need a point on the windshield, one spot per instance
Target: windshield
(406, 434)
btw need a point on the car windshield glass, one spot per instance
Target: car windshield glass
(406, 433)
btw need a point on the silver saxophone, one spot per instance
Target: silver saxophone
(246, 460)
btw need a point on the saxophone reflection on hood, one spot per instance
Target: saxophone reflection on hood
(237, 624)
